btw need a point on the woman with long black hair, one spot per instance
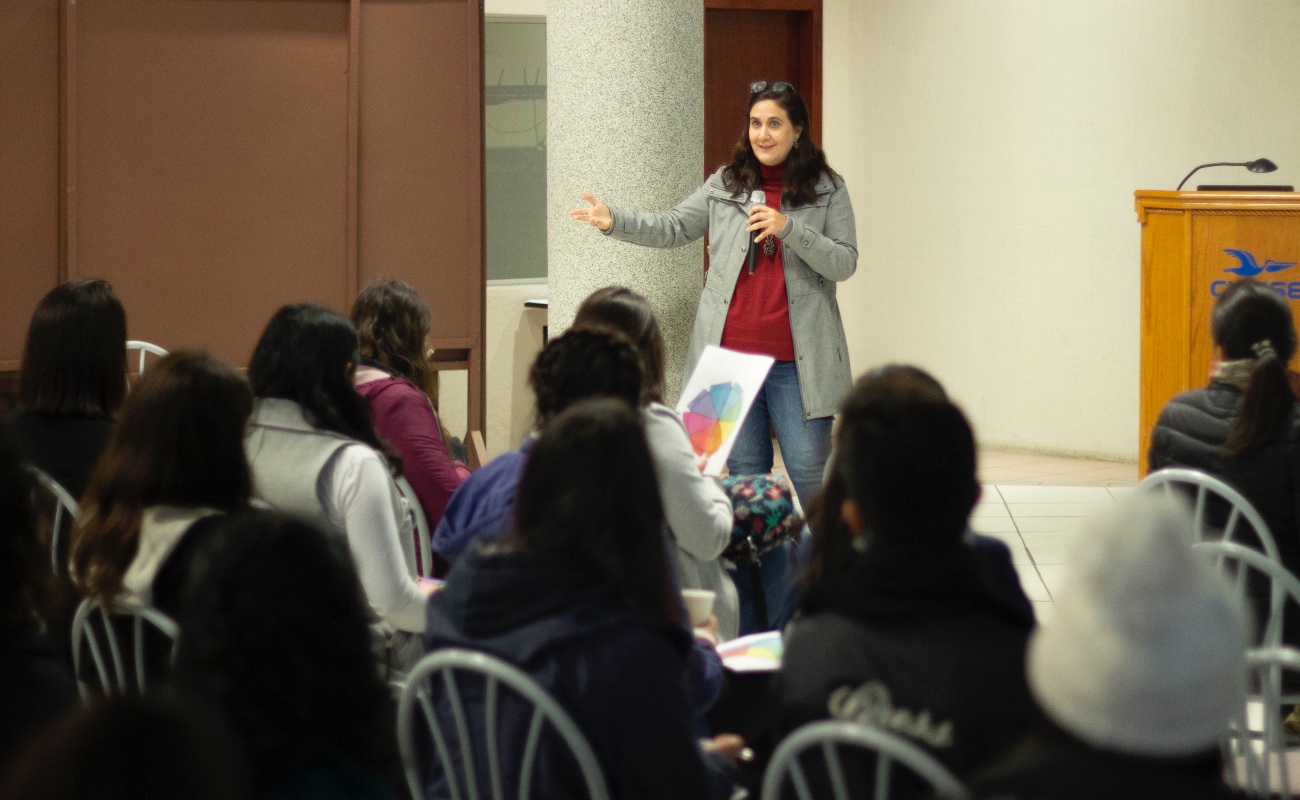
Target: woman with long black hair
(73, 380)
(781, 235)
(1244, 427)
(314, 453)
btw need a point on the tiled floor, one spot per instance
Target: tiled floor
(1029, 469)
(1040, 524)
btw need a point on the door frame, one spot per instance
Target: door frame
(812, 94)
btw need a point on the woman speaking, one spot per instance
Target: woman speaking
(781, 234)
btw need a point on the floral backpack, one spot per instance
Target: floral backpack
(764, 517)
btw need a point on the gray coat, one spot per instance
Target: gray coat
(820, 248)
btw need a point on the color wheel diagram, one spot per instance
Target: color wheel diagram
(712, 415)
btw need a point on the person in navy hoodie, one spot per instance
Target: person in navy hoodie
(579, 594)
(577, 366)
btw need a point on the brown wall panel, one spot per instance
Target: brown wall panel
(29, 165)
(420, 154)
(209, 150)
(421, 144)
(215, 159)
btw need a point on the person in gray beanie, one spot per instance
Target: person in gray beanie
(1137, 674)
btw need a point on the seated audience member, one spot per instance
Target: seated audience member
(912, 636)
(831, 552)
(276, 636)
(130, 749)
(578, 365)
(314, 453)
(174, 463)
(1244, 427)
(696, 509)
(72, 380)
(1138, 673)
(398, 382)
(35, 684)
(580, 596)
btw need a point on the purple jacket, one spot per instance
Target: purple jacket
(404, 418)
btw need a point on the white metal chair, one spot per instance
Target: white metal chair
(1236, 561)
(1255, 751)
(1204, 486)
(440, 667)
(144, 349)
(118, 680)
(65, 511)
(828, 735)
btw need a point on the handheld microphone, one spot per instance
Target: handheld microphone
(758, 197)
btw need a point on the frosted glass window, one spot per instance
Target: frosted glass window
(514, 61)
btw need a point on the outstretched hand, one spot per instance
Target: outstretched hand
(597, 215)
(767, 220)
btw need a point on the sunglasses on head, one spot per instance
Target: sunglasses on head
(780, 87)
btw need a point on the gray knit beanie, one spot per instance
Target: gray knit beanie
(1144, 653)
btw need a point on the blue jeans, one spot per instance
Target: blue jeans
(805, 446)
(805, 443)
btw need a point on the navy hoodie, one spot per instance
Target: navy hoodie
(623, 680)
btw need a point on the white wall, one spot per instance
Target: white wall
(537, 7)
(991, 149)
(514, 337)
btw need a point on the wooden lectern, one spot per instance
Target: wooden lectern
(1193, 245)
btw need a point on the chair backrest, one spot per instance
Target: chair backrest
(1236, 561)
(105, 650)
(434, 680)
(144, 349)
(1206, 486)
(1255, 750)
(64, 512)
(828, 735)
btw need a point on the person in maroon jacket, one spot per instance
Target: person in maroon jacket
(396, 380)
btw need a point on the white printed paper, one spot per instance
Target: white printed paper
(717, 398)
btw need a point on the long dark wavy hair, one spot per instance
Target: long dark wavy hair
(307, 354)
(589, 489)
(392, 321)
(74, 360)
(180, 442)
(803, 167)
(630, 314)
(1246, 315)
(275, 633)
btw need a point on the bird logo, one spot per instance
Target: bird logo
(1249, 268)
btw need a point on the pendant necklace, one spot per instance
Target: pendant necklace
(769, 246)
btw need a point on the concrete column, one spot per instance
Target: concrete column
(625, 105)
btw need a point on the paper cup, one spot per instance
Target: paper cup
(699, 604)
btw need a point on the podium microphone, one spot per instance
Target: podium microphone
(1258, 165)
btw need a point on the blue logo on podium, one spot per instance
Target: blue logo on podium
(1249, 268)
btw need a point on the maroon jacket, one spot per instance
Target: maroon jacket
(405, 419)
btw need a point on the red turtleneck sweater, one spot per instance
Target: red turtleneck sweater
(758, 319)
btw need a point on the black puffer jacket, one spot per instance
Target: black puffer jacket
(1054, 765)
(1191, 431)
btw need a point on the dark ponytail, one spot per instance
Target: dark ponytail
(1252, 321)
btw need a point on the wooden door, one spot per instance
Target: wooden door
(756, 40)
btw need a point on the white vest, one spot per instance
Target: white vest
(293, 469)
